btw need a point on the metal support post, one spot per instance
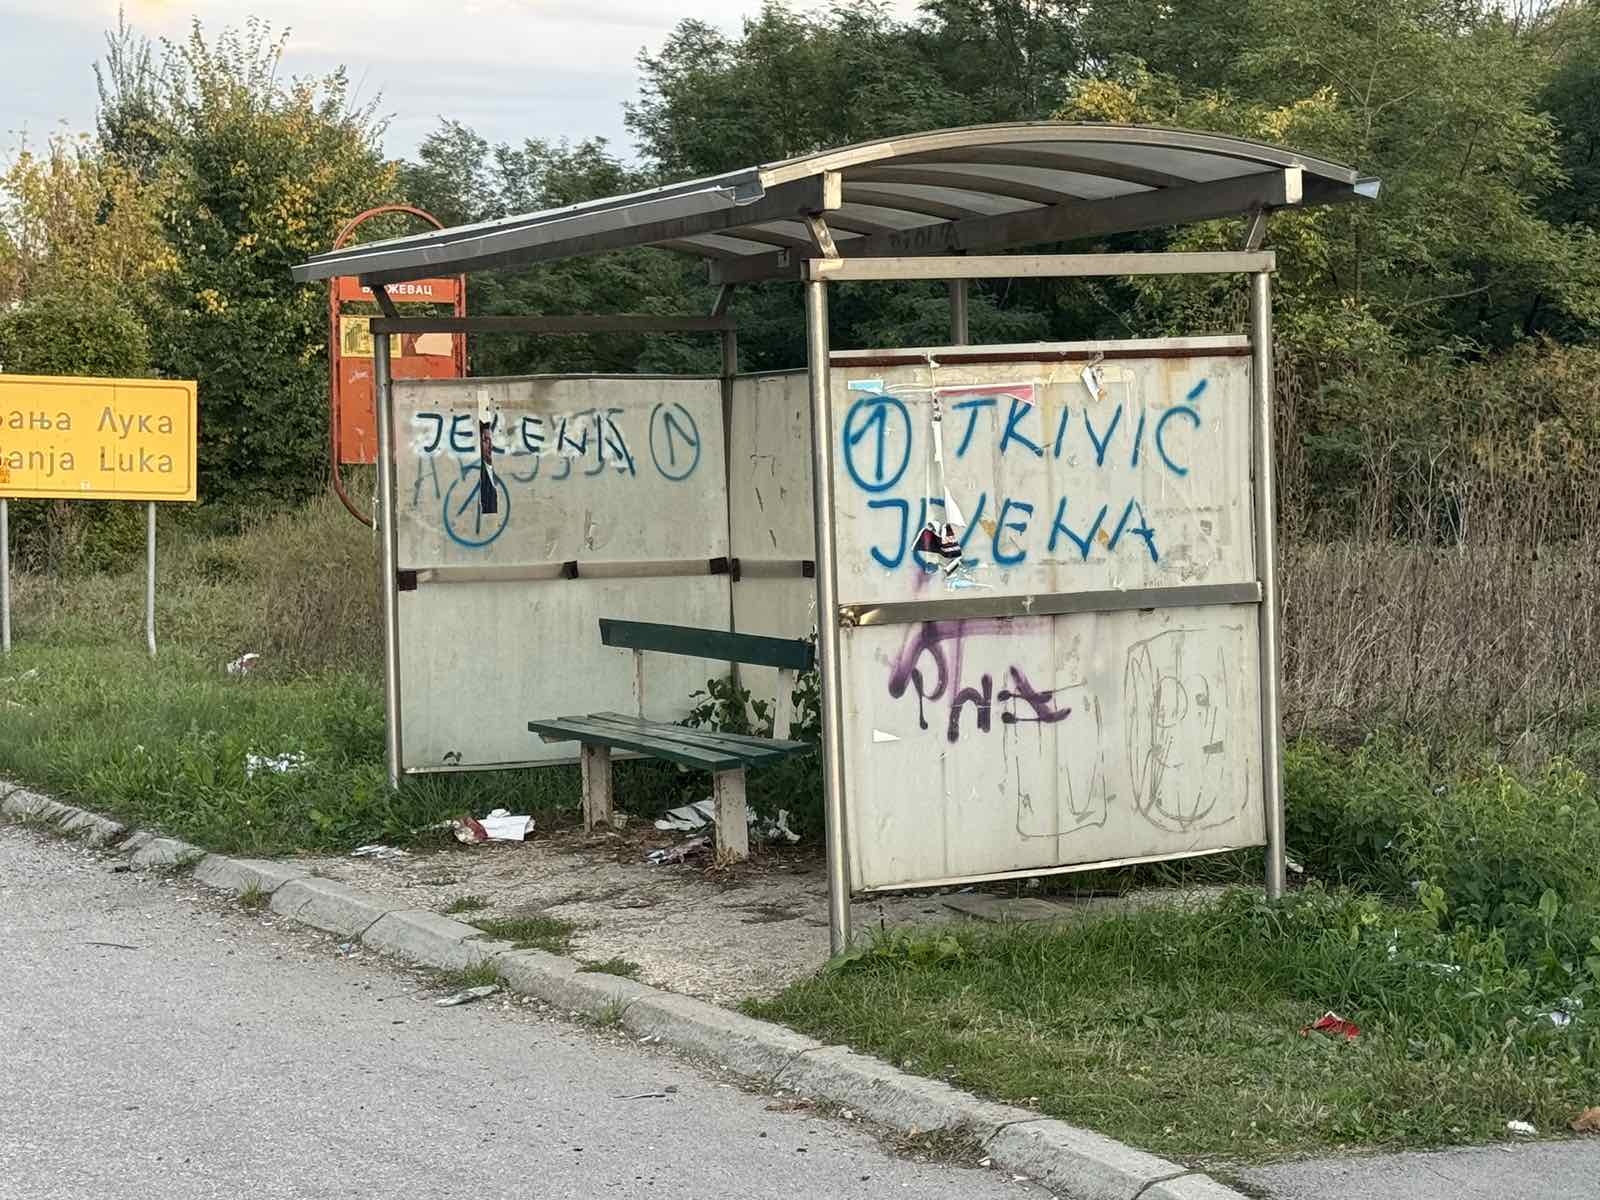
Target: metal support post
(5, 575)
(828, 654)
(959, 334)
(150, 577)
(730, 368)
(1263, 464)
(382, 395)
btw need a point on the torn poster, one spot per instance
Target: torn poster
(1092, 381)
(488, 500)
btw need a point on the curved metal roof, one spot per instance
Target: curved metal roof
(985, 187)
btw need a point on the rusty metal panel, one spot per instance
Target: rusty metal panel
(989, 746)
(608, 470)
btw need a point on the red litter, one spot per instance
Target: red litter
(1333, 1025)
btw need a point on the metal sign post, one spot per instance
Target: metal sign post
(150, 578)
(5, 575)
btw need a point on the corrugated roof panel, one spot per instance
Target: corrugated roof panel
(995, 187)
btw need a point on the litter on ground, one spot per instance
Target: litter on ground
(378, 851)
(278, 764)
(702, 814)
(498, 826)
(678, 853)
(468, 996)
(1333, 1025)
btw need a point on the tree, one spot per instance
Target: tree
(460, 177)
(257, 174)
(1438, 97)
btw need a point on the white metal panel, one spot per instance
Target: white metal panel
(589, 467)
(978, 748)
(592, 470)
(480, 660)
(1061, 489)
(770, 506)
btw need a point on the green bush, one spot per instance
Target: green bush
(1510, 863)
(795, 784)
(1521, 856)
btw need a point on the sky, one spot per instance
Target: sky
(509, 68)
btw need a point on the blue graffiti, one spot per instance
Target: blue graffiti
(674, 441)
(465, 522)
(1161, 429)
(1005, 558)
(877, 465)
(972, 408)
(1083, 543)
(1101, 443)
(1019, 409)
(871, 415)
(1141, 530)
(899, 543)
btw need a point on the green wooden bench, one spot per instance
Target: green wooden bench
(725, 755)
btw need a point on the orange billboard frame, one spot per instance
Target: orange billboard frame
(352, 426)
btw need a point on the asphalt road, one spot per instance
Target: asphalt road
(155, 1042)
(1564, 1170)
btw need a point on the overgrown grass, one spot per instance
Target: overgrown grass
(167, 744)
(1470, 958)
(625, 968)
(85, 714)
(1178, 1030)
(465, 904)
(551, 934)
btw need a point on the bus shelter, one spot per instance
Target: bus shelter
(1041, 577)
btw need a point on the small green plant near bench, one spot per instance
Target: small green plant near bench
(623, 967)
(465, 904)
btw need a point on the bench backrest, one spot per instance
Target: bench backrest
(790, 654)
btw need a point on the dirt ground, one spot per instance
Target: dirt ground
(723, 934)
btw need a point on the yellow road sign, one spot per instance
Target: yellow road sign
(62, 437)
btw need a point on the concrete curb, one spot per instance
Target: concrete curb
(1075, 1162)
(326, 905)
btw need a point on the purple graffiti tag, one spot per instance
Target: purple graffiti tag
(979, 698)
(1044, 710)
(942, 644)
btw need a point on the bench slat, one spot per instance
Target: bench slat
(580, 729)
(717, 644)
(755, 749)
